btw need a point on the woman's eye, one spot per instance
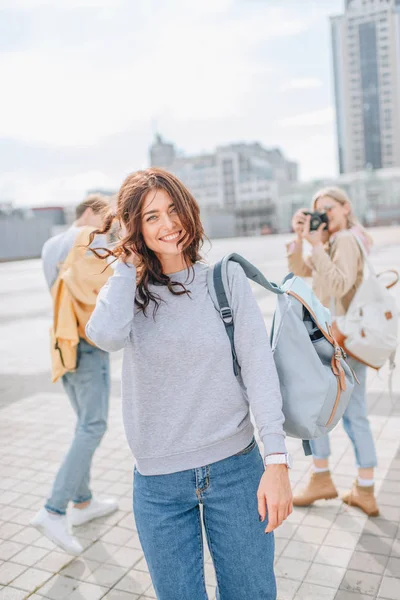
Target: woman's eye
(173, 209)
(152, 218)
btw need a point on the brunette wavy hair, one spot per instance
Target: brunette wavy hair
(128, 213)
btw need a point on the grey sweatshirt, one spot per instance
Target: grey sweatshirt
(183, 407)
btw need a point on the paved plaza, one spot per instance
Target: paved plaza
(325, 552)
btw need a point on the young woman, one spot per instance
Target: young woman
(186, 415)
(336, 266)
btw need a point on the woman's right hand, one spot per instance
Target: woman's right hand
(131, 258)
(298, 221)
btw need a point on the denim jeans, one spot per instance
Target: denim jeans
(88, 389)
(168, 520)
(355, 423)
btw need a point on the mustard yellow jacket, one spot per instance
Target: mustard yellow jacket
(74, 295)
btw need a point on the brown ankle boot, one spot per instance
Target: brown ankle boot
(362, 497)
(319, 487)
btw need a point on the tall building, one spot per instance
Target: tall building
(238, 179)
(366, 72)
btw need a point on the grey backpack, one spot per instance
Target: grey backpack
(316, 382)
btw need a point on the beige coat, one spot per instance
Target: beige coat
(336, 269)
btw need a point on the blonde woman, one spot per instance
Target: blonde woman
(336, 266)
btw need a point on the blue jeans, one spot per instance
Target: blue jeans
(168, 520)
(88, 389)
(355, 423)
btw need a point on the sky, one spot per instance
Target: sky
(85, 84)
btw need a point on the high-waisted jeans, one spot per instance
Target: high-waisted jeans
(168, 520)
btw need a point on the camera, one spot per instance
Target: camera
(316, 219)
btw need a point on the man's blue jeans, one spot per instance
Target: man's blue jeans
(355, 423)
(88, 389)
(168, 520)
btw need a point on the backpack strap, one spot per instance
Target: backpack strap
(218, 287)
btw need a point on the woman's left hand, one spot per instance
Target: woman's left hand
(274, 496)
(315, 238)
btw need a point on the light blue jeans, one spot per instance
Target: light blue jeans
(168, 520)
(355, 423)
(88, 389)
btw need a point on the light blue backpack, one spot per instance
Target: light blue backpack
(316, 382)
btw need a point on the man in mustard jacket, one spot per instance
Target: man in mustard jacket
(74, 276)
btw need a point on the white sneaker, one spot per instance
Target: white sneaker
(55, 528)
(94, 510)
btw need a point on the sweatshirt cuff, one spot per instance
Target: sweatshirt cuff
(274, 444)
(122, 269)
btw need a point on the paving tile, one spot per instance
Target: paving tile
(58, 587)
(390, 588)
(8, 530)
(297, 516)
(312, 535)
(30, 555)
(361, 582)
(11, 593)
(26, 535)
(8, 549)
(369, 563)
(81, 570)
(101, 552)
(310, 591)
(137, 582)
(325, 575)
(395, 550)
(343, 595)
(108, 575)
(286, 588)
(133, 541)
(280, 545)
(285, 531)
(389, 499)
(10, 571)
(349, 522)
(9, 512)
(54, 561)
(127, 557)
(342, 539)
(336, 557)
(381, 528)
(291, 568)
(117, 535)
(393, 567)
(209, 574)
(295, 549)
(8, 497)
(120, 595)
(142, 565)
(88, 591)
(374, 545)
(44, 542)
(319, 520)
(31, 579)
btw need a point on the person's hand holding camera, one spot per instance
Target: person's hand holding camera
(317, 237)
(298, 221)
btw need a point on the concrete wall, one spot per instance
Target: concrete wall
(23, 238)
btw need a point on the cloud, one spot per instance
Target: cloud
(324, 116)
(304, 83)
(81, 89)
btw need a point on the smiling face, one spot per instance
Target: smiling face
(337, 213)
(162, 229)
